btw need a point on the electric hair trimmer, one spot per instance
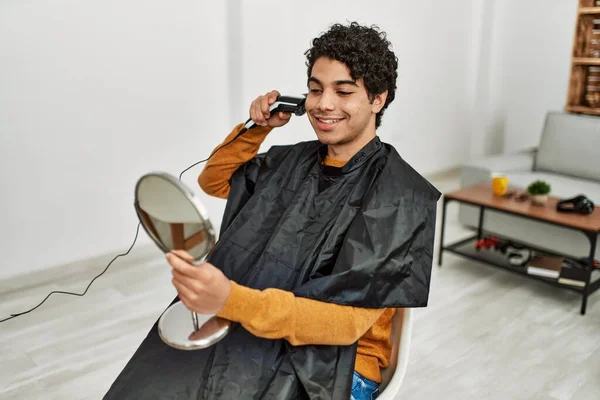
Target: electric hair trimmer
(291, 104)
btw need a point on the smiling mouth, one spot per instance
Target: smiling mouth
(328, 120)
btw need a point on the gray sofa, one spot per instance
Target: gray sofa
(568, 157)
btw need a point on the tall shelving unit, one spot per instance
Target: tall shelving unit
(584, 85)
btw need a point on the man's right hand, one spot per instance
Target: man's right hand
(259, 111)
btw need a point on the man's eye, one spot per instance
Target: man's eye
(344, 93)
(315, 90)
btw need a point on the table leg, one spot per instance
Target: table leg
(593, 237)
(442, 228)
(480, 225)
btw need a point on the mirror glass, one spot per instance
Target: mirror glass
(172, 216)
(175, 219)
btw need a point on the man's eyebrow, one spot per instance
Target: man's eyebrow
(345, 82)
(336, 83)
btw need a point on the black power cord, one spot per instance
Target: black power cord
(213, 153)
(131, 247)
(86, 289)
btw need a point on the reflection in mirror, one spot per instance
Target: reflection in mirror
(172, 216)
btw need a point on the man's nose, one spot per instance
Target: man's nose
(326, 101)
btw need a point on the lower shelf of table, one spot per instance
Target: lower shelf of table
(466, 248)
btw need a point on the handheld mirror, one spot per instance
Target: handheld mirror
(175, 219)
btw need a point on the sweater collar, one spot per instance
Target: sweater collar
(357, 159)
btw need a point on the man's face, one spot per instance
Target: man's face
(338, 107)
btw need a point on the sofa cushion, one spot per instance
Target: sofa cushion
(562, 186)
(569, 145)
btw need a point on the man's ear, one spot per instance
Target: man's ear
(378, 102)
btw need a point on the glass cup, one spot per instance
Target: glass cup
(499, 184)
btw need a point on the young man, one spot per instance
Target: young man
(321, 242)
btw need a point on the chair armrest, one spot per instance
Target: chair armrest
(479, 170)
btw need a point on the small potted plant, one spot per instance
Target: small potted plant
(538, 191)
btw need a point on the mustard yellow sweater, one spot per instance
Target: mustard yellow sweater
(278, 314)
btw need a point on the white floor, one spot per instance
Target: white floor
(486, 334)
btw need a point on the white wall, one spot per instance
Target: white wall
(429, 121)
(531, 44)
(93, 94)
(97, 93)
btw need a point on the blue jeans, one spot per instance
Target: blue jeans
(363, 389)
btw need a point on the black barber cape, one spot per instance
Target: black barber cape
(361, 235)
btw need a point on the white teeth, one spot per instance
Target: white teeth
(328, 121)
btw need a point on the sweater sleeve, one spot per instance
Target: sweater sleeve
(228, 157)
(278, 314)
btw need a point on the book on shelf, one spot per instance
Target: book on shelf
(572, 276)
(546, 266)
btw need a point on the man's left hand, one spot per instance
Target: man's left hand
(203, 288)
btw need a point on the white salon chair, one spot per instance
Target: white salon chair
(393, 375)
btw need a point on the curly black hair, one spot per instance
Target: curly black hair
(366, 52)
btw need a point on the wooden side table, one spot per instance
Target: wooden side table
(481, 196)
